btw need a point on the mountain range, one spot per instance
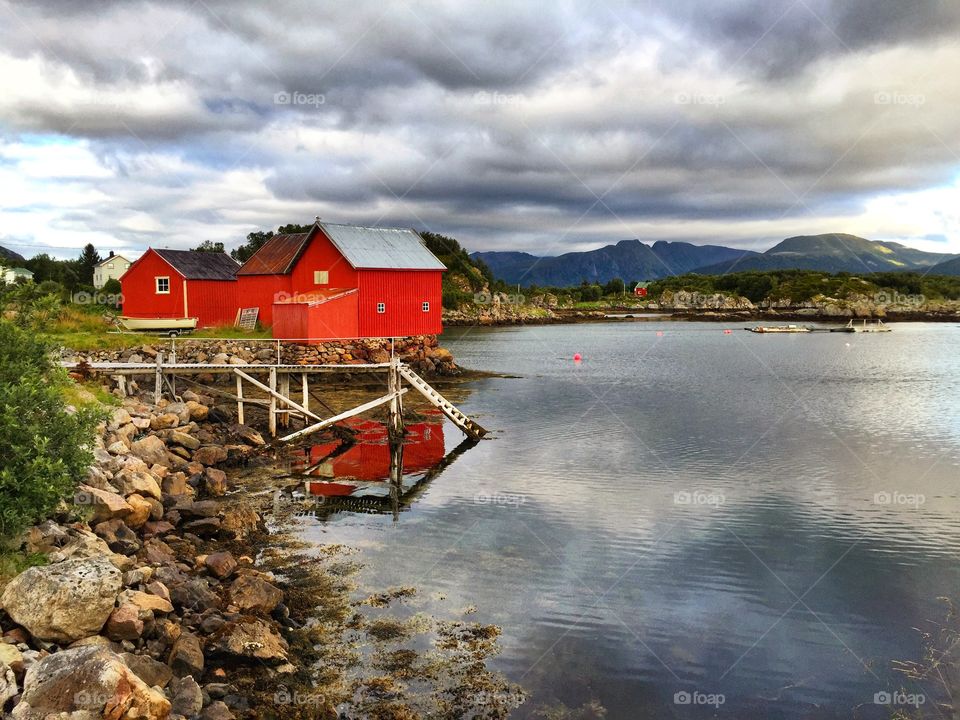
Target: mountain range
(634, 260)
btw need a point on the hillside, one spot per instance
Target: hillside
(628, 260)
(6, 254)
(835, 252)
(949, 267)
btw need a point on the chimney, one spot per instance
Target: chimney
(111, 254)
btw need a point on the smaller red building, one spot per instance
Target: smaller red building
(182, 284)
(344, 281)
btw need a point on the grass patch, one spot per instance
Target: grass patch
(14, 562)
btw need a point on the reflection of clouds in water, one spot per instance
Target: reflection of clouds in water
(699, 414)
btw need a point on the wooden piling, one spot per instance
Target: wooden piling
(240, 418)
(272, 423)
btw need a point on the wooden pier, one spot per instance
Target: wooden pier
(281, 402)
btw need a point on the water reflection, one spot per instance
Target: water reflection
(363, 471)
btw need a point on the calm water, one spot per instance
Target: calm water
(762, 517)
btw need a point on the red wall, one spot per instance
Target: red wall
(331, 320)
(139, 289)
(212, 302)
(404, 292)
(261, 291)
(322, 255)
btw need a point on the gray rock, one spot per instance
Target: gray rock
(66, 601)
(186, 697)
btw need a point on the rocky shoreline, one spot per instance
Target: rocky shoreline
(500, 310)
(139, 612)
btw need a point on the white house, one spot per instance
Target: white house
(110, 268)
(12, 275)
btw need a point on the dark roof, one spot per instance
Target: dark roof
(201, 265)
(363, 248)
(276, 256)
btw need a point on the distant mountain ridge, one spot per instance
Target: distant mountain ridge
(628, 260)
(6, 254)
(633, 260)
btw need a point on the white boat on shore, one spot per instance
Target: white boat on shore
(160, 325)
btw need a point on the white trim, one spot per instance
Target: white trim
(156, 284)
(425, 306)
(381, 308)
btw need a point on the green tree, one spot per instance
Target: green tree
(46, 449)
(89, 257)
(209, 246)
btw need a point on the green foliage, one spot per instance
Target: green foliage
(46, 450)
(209, 246)
(89, 258)
(111, 287)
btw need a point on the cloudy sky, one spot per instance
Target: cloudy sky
(545, 127)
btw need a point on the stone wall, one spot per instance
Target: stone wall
(422, 353)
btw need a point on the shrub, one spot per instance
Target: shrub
(46, 450)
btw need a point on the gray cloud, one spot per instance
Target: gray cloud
(500, 121)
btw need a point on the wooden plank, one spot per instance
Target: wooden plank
(468, 426)
(274, 394)
(240, 400)
(342, 416)
(273, 400)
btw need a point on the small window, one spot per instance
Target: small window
(321, 277)
(381, 308)
(110, 266)
(426, 307)
(163, 285)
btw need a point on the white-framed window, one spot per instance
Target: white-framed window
(321, 277)
(426, 307)
(381, 308)
(163, 285)
(110, 266)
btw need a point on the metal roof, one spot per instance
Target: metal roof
(381, 248)
(276, 256)
(195, 265)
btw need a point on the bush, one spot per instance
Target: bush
(112, 287)
(45, 449)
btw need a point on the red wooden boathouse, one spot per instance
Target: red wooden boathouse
(344, 281)
(182, 284)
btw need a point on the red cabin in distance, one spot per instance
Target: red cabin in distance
(182, 284)
(342, 282)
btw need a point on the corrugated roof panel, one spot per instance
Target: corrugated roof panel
(381, 248)
(195, 265)
(276, 256)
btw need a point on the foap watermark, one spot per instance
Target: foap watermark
(894, 298)
(697, 697)
(86, 700)
(885, 97)
(913, 500)
(699, 98)
(295, 697)
(488, 497)
(299, 98)
(483, 97)
(899, 698)
(698, 497)
(485, 298)
(96, 298)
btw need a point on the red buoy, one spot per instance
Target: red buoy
(577, 357)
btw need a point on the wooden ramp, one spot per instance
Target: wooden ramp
(468, 426)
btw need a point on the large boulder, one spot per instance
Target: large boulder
(151, 450)
(140, 482)
(250, 639)
(249, 592)
(85, 683)
(106, 505)
(64, 602)
(210, 455)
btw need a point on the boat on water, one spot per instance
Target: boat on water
(780, 329)
(171, 326)
(878, 328)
